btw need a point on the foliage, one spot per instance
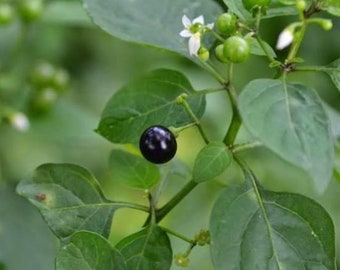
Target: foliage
(250, 225)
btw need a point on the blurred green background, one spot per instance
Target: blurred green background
(99, 65)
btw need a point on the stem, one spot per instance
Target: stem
(208, 91)
(130, 205)
(214, 72)
(180, 236)
(316, 68)
(236, 120)
(217, 36)
(186, 106)
(297, 42)
(162, 212)
(264, 48)
(245, 146)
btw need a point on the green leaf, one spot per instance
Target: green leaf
(290, 120)
(69, 199)
(147, 101)
(148, 249)
(211, 161)
(255, 48)
(275, 9)
(153, 22)
(259, 229)
(89, 251)
(333, 70)
(133, 170)
(332, 7)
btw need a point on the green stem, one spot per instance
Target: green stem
(264, 48)
(129, 205)
(162, 212)
(245, 146)
(214, 73)
(208, 91)
(296, 43)
(217, 36)
(180, 236)
(236, 120)
(186, 106)
(316, 68)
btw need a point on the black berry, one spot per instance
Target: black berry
(157, 144)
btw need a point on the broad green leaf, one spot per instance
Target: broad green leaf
(148, 249)
(290, 120)
(269, 230)
(147, 101)
(133, 170)
(333, 70)
(2, 266)
(66, 12)
(211, 161)
(89, 251)
(69, 199)
(153, 22)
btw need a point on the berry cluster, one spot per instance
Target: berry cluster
(27, 11)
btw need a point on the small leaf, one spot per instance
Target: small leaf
(275, 9)
(89, 251)
(211, 161)
(133, 170)
(290, 120)
(148, 101)
(332, 7)
(259, 229)
(333, 70)
(69, 199)
(147, 249)
(255, 48)
(153, 22)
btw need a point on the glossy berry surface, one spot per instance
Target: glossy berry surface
(157, 144)
(226, 23)
(236, 49)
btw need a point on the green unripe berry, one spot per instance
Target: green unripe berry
(43, 74)
(30, 10)
(203, 54)
(326, 24)
(181, 260)
(236, 49)
(301, 5)
(44, 100)
(6, 13)
(226, 23)
(220, 54)
(250, 4)
(60, 79)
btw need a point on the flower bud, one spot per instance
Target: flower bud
(19, 121)
(285, 39)
(203, 54)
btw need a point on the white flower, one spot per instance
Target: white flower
(19, 121)
(285, 39)
(194, 30)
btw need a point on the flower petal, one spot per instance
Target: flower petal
(199, 19)
(185, 33)
(210, 25)
(194, 44)
(186, 22)
(285, 39)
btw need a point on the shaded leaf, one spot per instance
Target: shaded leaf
(69, 199)
(290, 120)
(148, 249)
(333, 70)
(152, 22)
(275, 9)
(332, 6)
(268, 230)
(211, 161)
(89, 251)
(148, 101)
(255, 48)
(133, 170)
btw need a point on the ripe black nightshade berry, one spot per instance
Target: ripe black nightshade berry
(158, 144)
